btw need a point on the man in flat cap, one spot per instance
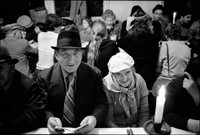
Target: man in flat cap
(75, 90)
(18, 47)
(26, 22)
(22, 102)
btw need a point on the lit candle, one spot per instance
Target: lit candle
(174, 17)
(160, 101)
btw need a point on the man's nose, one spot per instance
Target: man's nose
(123, 78)
(71, 59)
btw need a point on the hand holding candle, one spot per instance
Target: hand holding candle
(160, 101)
(174, 17)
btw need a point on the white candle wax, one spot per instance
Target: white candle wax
(160, 101)
(174, 17)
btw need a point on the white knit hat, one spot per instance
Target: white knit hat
(119, 62)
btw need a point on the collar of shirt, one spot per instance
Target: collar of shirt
(65, 74)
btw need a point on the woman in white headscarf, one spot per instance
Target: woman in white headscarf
(126, 92)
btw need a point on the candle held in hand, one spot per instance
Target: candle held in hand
(160, 101)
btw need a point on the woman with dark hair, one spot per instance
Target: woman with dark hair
(184, 22)
(142, 44)
(158, 11)
(45, 41)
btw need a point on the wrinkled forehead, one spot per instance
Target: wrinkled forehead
(70, 50)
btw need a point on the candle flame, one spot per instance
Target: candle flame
(174, 14)
(162, 91)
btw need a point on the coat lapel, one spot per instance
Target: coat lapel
(57, 78)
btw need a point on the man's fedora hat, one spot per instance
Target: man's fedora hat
(68, 40)
(5, 56)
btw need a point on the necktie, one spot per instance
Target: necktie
(68, 114)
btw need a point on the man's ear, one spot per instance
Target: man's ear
(12, 67)
(56, 55)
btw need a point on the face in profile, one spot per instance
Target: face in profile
(69, 59)
(37, 30)
(85, 24)
(124, 78)
(186, 19)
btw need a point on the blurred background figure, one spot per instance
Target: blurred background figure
(126, 92)
(158, 12)
(194, 39)
(125, 28)
(45, 41)
(2, 35)
(40, 27)
(26, 22)
(86, 33)
(184, 22)
(18, 47)
(113, 25)
(78, 10)
(101, 48)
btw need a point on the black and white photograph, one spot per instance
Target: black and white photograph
(100, 67)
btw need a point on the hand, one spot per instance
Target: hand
(128, 22)
(189, 84)
(90, 121)
(193, 125)
(113, 37)
(30, 42)
(52, 123)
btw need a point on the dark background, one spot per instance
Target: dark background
(10, 10)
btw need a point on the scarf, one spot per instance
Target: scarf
(127, 98)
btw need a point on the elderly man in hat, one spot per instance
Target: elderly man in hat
(18, 47)
(75, 89)
(22, 102)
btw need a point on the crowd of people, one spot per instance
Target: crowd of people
(55, 74)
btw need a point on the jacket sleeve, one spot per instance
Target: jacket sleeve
(144, 105)
(42, 85)
(101, 104)
(170, 112)
(34, 101)
(31, 50)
